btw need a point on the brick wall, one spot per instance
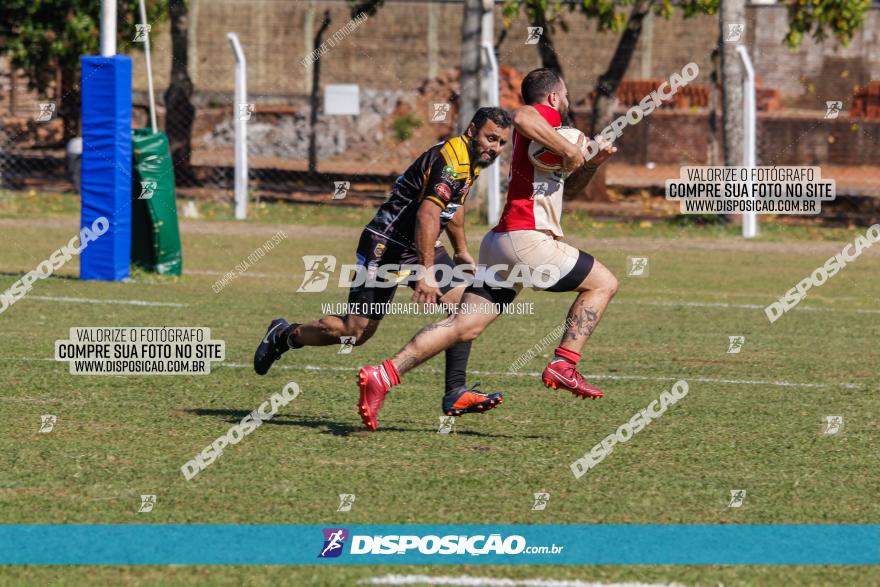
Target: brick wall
(391, 50)
(682, 138)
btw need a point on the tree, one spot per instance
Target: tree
(733, 12)
(841, 18)
(469, 80)
(538, 16)
(819, 18)
(816, 17)
(45, 39)
(620, 16)
(179, 110)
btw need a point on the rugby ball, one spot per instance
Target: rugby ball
(545, 159)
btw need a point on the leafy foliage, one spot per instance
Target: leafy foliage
(367, 6)
(43, 36)
(405, 125)
(819, 18)
(610, 15)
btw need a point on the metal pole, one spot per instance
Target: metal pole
(108, 28)
(494, 192)
(241, 114)
(149, 66)
(749, 219)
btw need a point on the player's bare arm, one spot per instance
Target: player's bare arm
(427, 231)
(581, 177)
(455, 232)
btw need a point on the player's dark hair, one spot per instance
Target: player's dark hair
(538, 83)
(496, 115)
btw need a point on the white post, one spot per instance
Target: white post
(108, 28)
(241, 112)
(149, 67)
(494, 193)
(750, 123)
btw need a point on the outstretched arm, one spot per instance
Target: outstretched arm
(577, 181)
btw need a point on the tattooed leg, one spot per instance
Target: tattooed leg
(586, 311)
(583, 316)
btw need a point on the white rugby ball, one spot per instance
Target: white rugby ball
(545, 159)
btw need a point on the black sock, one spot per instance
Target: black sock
(283, 340)
(456, 365)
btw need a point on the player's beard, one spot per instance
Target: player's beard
(565, 115)
(474, 148)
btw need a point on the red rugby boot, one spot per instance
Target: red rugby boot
(561, 374)
(374, 387)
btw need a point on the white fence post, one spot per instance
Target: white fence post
(145, 23)
(750, 124)
(108, 28)
(494, 192)
(242, 112)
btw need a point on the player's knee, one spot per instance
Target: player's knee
(469, 332)
(361, 331)
(612, 286)
(607, 284)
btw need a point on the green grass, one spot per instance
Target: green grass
(119, 437)
(34, 204)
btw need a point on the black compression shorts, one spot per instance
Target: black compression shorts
(374, 250)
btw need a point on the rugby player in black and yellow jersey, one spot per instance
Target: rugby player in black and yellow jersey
(428, 198)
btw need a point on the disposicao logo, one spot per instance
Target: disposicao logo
(334, 540)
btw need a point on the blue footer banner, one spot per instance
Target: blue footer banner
(258, 544)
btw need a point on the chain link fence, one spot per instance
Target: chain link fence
(403, 62)
(368, 150)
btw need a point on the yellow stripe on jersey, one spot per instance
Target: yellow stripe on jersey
(438, 201)
(455, 153)
(425, 176)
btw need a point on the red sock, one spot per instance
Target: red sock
(567, 354)
(391, 371)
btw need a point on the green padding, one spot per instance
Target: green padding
(155, 239)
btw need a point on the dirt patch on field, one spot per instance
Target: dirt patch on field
(645, 244)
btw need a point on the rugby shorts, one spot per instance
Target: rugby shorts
(535, 251)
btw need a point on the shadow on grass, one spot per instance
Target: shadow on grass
(335, 428)
(20, 274)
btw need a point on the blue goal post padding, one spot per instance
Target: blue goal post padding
(106, 165)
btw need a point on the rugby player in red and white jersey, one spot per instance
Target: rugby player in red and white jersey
(529, 234)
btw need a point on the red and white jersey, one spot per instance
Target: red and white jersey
(534, 197)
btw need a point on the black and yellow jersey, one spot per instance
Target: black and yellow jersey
(443, 175)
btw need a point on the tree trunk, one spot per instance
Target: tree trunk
(469, 82)
(606, 90)
(712, 156)
(732, 12)
(179, 110)
(315, 97)
(546, 50)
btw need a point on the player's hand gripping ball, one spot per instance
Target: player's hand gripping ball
(545, 159)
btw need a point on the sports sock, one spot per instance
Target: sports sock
(286, 341)
(456, 365)
(566, 354)
(389, 372)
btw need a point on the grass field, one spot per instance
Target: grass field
(751, 420)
